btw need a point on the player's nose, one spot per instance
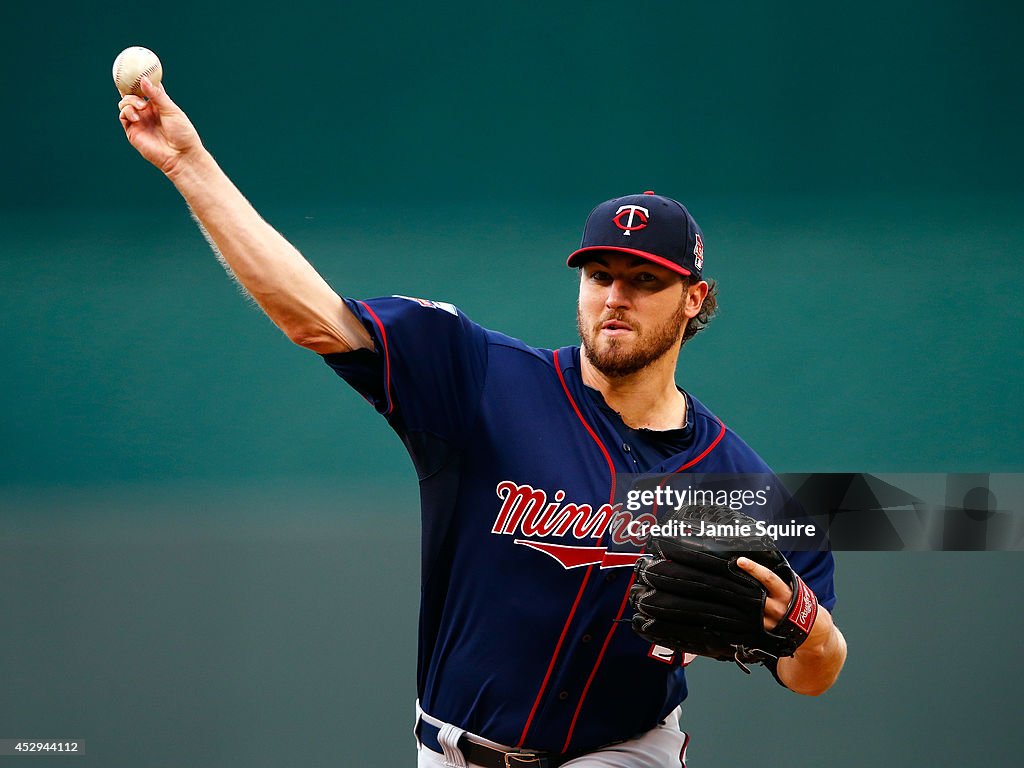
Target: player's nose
(618, 294)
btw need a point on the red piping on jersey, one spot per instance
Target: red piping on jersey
(707, 450)
(387, 357)
(622, 608)
(625, 597)
(607, 457)
(551, 665)
(597, 664)
(586, 576)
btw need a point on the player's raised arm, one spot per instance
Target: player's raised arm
(287, 287)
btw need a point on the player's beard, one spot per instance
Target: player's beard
(618, 357)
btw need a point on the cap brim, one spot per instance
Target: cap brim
(578, 257)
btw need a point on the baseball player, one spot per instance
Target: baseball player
(526, 656)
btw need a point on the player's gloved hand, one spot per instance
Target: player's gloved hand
(157, 127)
(690, 595)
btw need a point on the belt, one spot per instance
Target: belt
(491, 757)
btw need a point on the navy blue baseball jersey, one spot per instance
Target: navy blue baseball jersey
(519, 633)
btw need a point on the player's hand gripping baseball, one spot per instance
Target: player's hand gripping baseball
(157, 127)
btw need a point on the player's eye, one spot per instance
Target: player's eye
(647, 280)
(600, 276)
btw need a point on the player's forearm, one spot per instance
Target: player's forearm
(818, 661)
(286, 286)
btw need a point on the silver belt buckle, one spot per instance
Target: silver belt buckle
(521, 758)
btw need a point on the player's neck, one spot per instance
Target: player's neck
(647, 399)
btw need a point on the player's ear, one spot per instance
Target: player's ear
(695, 295)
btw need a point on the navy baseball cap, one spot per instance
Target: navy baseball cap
(651, 226)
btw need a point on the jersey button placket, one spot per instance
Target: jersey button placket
(629, 453)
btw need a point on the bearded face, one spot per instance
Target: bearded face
(620, 341)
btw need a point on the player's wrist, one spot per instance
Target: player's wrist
(194, 165)
(821, 637)
(817, 663)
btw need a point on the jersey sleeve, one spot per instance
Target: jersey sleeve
(426, 370)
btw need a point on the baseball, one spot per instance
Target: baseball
(130, 66)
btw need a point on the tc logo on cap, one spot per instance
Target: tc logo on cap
(698, 252)
(637, 219)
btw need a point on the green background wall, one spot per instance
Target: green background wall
(194, 513)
